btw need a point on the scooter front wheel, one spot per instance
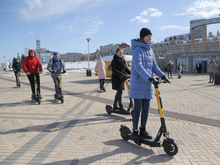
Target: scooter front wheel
(170, 148)
(125, 131)
(39, 100)
(62, 99)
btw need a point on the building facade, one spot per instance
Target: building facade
(42, 53)
(179, 51)
(71, 57)
(110, 49)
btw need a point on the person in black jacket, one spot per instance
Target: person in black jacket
(119, 75)
(17, 68)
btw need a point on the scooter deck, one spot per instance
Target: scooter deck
(126, 132)
(150, 142)
(110, 110)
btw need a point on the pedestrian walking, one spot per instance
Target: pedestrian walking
(179, 70)
(119, 75)
(141, 89)
(212, 68)
(16, 66)
(170, 69)
(100, 66)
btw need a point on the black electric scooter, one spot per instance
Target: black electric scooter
(59, 95)
(170, 147)
(37, 97)
(109, 108)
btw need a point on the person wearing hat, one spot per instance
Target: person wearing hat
(17, 68)
(55, 67)
(32, 64)
(119, 74)
(141, 89)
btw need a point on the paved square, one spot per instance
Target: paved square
(80, 132)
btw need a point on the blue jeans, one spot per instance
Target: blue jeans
(56, 83)
(169, 73)
(140, 105)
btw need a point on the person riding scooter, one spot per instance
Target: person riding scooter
(31, 64)
(141, 89)
(55, 66)
(17, 68)
(119, 75)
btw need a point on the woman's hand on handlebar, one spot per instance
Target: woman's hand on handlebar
(165, 80)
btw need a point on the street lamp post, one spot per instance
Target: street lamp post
(88, 72)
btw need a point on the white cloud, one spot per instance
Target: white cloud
(94, 26)
(70, 26)
(151, 12)
(43, 9)
(144, 13)
(140, 19)
(166, 27)
(154, 12)
(202, 9)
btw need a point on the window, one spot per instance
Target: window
(184, 62)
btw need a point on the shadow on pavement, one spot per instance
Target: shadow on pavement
(28, 103)
(89, 81)
(122, 147)
(57, 126)
(14, 104)
(51, 101)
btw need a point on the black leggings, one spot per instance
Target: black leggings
(31, 80)
(102, 82)
(118, 97)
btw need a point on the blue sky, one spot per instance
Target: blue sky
(63, 25)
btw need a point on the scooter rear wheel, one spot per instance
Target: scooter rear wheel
(124, 133)
(170, 148)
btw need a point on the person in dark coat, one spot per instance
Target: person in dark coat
(17, 68)
(200, 68)
(119, 75)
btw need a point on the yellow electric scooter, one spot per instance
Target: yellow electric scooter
(170, 147)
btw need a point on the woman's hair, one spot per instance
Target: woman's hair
(142, 40)
(118, 49)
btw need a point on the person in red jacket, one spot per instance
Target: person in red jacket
(32, 64)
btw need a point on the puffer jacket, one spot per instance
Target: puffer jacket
(31, 64)
(100, 66)
(142, 68)
(118, 69)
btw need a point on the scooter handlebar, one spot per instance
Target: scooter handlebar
(158, 80)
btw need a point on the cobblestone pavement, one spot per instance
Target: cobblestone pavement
(80, 132)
